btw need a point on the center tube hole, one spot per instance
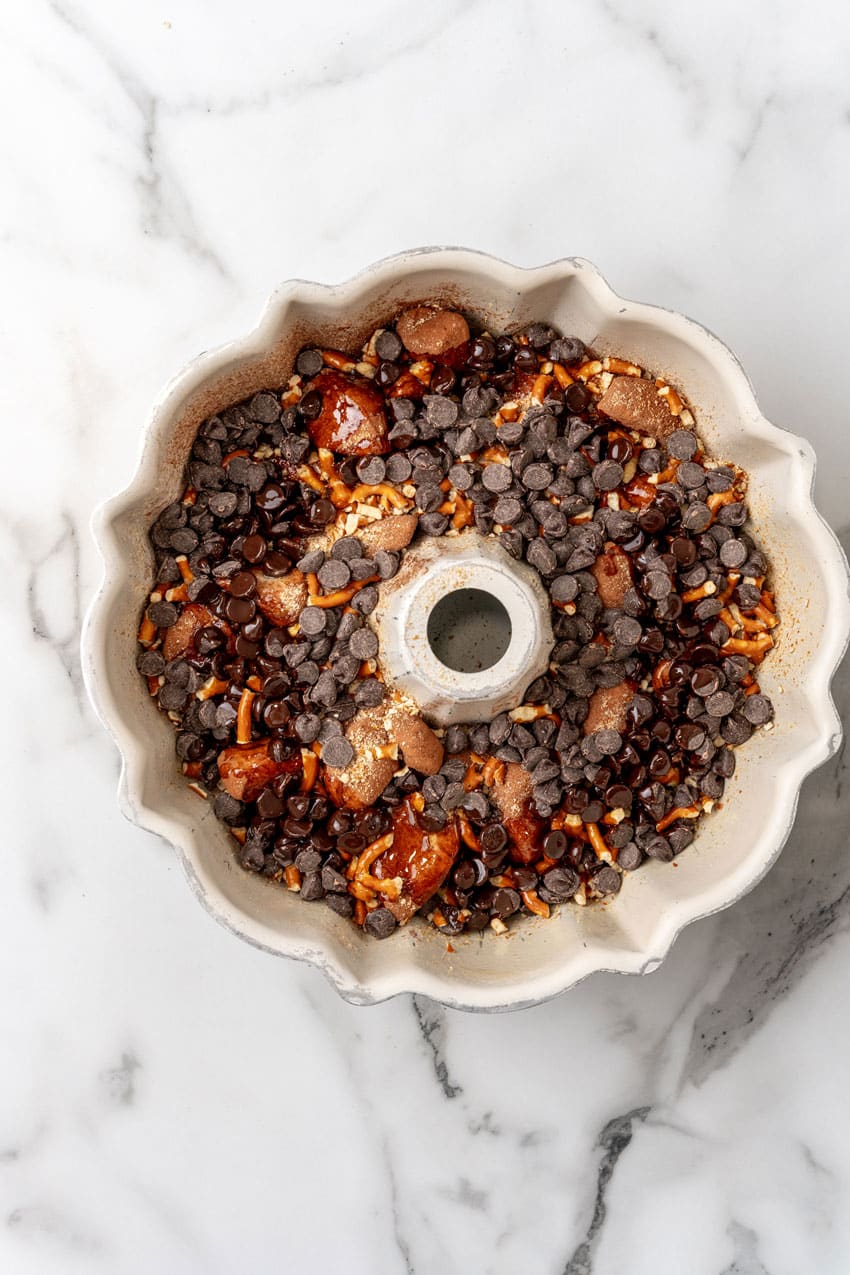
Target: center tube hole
(469, 630)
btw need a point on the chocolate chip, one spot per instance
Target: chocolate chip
(705, 681)
(346, 669)
(184, 540)
(311, 562)
(496, 478)
(313, 621)
(690, 475)
(505, 902)
(338, 752)
(367, 599)
(682, 444)
(720, 704)
(537, 476)
(380, 923)
(561, 883)
(311, 887)
(507, 510)
(433, 524)
(372, 470)
(172, 698)
(657, 585)
(222, 504)
(342, 904)
(566, 588)
(733, 553)
(309, 363)
(150, 663)
(629, 857)
(461, 477)
(757, 709)
(333, 574)
(360, 568)
(627, 631)
(347, 547)
(363, 644)
(606, 880)
(369, 694)
(607, 475)
(442, 412)
(689, 735)
(386, 563)
(608, 741)
(325, 690)
(541, 556)
(735, 729)
(659, 848)
(330, 727)
(697, 517)
(162, 614)
(429, 497)
(399, 469)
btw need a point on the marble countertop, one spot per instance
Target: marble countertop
(171, 1099)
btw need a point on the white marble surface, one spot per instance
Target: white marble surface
(170, 1099)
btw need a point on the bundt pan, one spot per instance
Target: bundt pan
(537, 959)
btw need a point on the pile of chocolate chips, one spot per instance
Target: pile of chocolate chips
(583, 468)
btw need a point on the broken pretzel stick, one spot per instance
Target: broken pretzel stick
(529, 712)
(184, 568)
(243, 717)
(390, 886)
(240, 451)
(473, 778)
(463, 515)
(755, 649)
(467, 834)
(678, 812)
(706, 590)
(310, 763)
(734, 579)
(540, 387)
(620, 367)
(364, 490)
(147, 631)
(341, 595)
(341, 362)
(597, 840)
(308, 476)
(493, 772)
(534, 903)
(361, 891)
(212, 686)
(368, 856)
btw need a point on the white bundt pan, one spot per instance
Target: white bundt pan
(633, 932)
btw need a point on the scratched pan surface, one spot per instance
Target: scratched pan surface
(537, 959)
